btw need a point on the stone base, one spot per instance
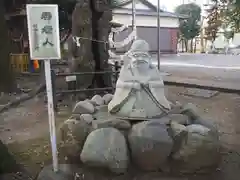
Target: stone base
(66, 172)
(182, 142)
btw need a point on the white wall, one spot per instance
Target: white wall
(138, 6)
(148, 21)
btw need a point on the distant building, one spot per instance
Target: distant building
(146, 22)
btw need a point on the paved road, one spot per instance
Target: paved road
(198, 60)
(220, 67)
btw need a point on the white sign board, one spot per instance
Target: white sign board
(43, 31)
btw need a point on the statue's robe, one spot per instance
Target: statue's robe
(139, 94)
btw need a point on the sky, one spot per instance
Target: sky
(170, 5)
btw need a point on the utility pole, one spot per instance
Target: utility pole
(134, 15)
(158, 34)
(201, 36)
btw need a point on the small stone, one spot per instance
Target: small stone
(83, 107)
(98, 100)
(106, 148)
(87, 117)
(115, 123)
(206, 123)
(107, 98)
(191, 111)
(73, 134)
(150, 145)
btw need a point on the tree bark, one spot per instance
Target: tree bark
(6, 75)
(195, 46)
(182, 42)
(191, 44)
(186, 45)
(91, 21)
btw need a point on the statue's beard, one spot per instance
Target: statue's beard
(141, 65)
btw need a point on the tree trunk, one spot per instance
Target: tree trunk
(182, 42)
(91, 21)
(186, 45)
(195, 46)
(227, 47)
(102, 29)
(212, 45)
(191, 44)
(6, 74)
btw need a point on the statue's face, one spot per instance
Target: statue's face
(140, 60)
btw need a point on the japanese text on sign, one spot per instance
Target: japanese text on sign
(43, 30)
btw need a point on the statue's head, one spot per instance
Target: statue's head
(139, 54)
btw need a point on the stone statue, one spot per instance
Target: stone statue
(139, 89)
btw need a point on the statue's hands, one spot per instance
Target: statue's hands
(136, 86)
(128, 84)
(145, 83)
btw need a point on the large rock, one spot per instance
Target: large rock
(150, 145)
(73, 134)
(83, 107)
(178, 118)
(199, 151)
(115, 123)
(106, 148)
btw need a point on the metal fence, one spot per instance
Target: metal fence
(72, 85)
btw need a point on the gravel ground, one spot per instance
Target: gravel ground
(25, 130)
